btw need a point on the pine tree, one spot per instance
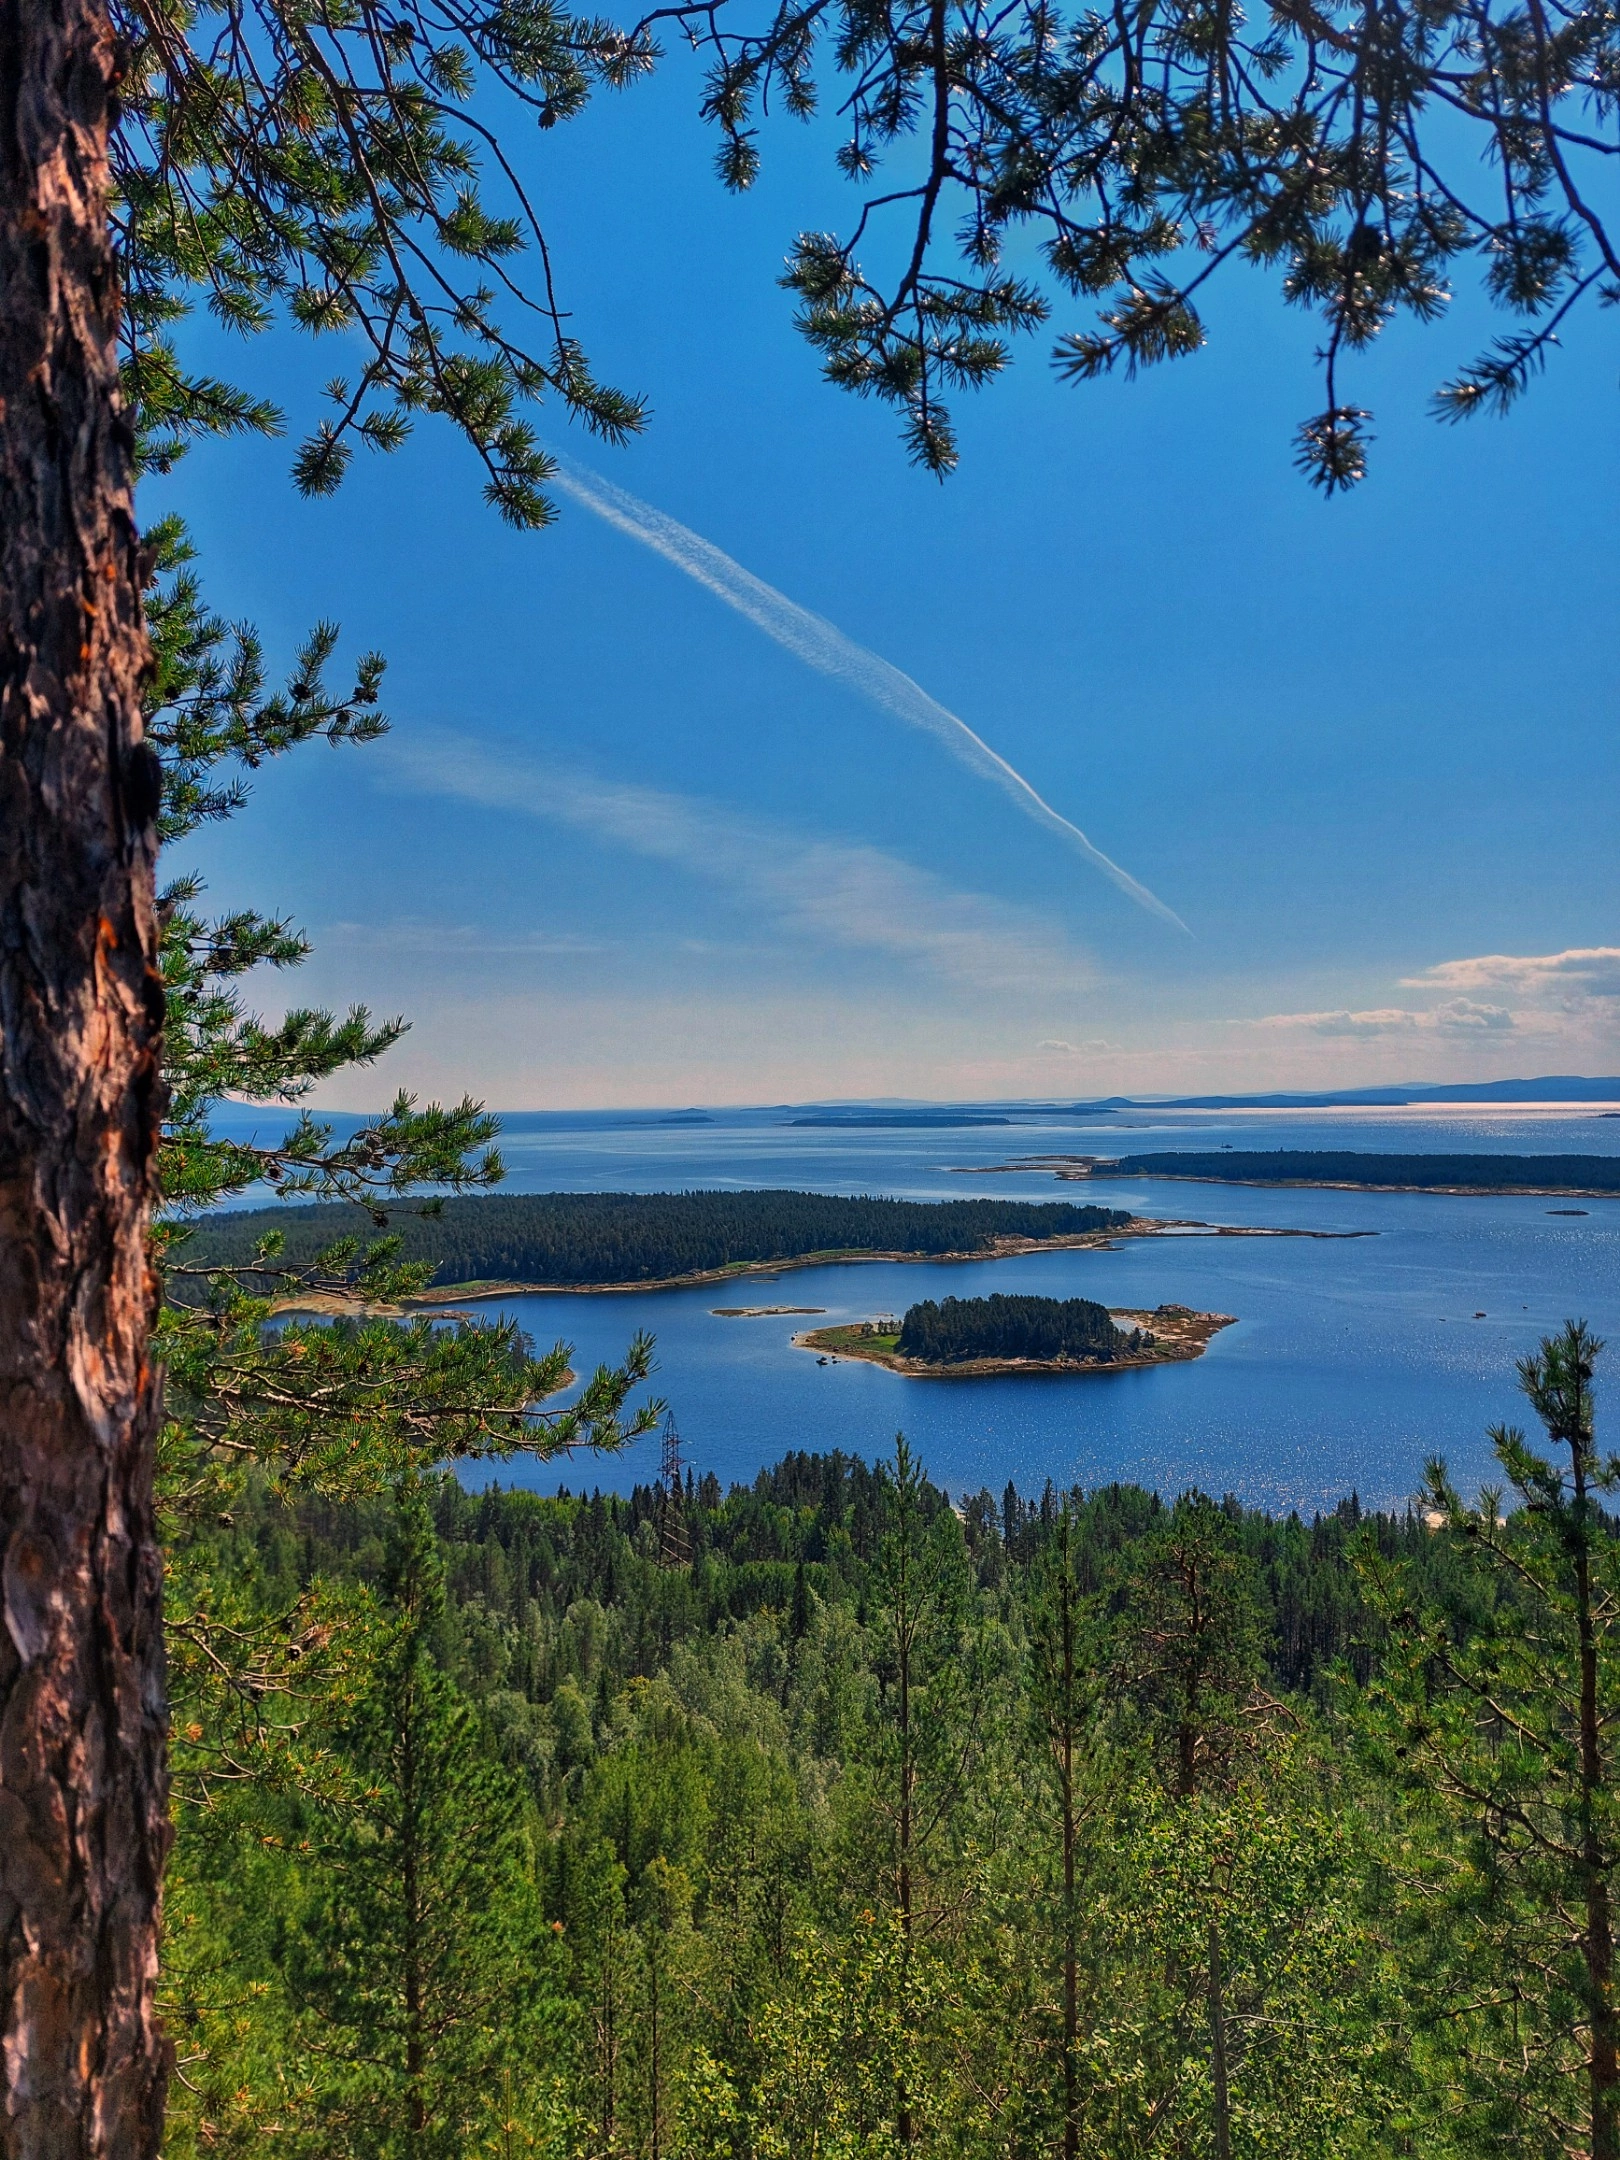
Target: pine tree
(330, 170)
(422, 1973)
(924, 1737)
(1067, 1677)
(1190, 1654)
(81, 1006)
(1500, 1698)
(137, 172)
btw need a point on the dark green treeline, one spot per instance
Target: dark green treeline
(1354, 1166)
(641, 1237)
(949, 1330)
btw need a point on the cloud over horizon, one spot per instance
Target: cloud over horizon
(1567, 994)
(1572, 976)
(1461, 1017)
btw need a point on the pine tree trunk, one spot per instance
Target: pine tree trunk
(1220, 2098)
(83, 1820)
(904, 1636)
(411, 1912)
(902, 2124)
(1603, 2057)
(655, 2123)
(1071, 2016)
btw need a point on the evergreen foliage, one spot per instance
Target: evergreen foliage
(355, 173)
(1502, 1696)
(424, 1967)
(796, 1826)
(643, 1237)
(950, 1330)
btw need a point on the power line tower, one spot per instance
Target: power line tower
(674, 1545)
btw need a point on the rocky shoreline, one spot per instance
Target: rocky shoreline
(1178, 1335)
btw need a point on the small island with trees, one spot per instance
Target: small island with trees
(971, 1337)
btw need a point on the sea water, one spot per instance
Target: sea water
(1351, 1361)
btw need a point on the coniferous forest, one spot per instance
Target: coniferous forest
(948, 1330)
(833, 1818)
(1357, 1166)
(839, 1815)
(612, 1237)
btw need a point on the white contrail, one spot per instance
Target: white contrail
(822, 645)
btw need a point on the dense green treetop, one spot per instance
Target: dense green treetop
(949, 1330)
(794, 1819)
(636, 1237)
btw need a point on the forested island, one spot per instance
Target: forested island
(946, 1331)
(609, 1240)
(999, 1334)
(1590, 1175)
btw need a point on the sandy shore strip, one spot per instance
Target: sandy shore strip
(760, 1312)
(998, 1249)
(1140, 1226)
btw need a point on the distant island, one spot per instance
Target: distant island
(1590, 1176)
(637, 1241)
(967, 1337)
(1576, 1090)
(897, 1120)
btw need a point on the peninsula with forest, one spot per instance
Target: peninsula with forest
(642, 1241)
(965, 1338)
(1590, 1177)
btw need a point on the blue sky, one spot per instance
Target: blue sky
(623, 848)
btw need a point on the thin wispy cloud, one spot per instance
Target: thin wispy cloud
(823, 646)
(829, 892)
(467, 940)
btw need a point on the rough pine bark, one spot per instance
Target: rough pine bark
(82, 1801)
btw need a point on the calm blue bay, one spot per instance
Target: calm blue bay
(1351, 1361)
